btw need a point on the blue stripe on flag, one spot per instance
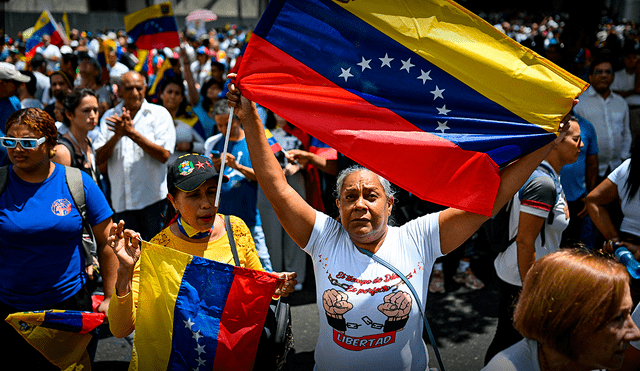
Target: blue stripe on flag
(412, 87)
(37, 35)
(65, 321)
(198, 311)
(153, 26)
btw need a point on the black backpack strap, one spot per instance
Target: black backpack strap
(232, 240)
(4, 178)
(76, 188)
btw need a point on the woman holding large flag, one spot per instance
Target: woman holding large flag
(192, 226)
(368, 319)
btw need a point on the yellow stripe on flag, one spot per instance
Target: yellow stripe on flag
(154, 11)
(142, 59)
(65, 20)
(161, 271)
(165, 66)
(474, 52)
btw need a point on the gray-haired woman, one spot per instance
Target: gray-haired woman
(368, 319)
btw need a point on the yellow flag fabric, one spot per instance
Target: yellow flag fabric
(467, 47)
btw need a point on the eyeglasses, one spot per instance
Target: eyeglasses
(603, 72)
(26, 143)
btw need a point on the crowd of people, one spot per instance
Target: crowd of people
(147, 132)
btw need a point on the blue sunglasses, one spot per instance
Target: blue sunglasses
(26, 143)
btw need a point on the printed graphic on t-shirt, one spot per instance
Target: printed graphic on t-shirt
(61, 207)
(363, 331)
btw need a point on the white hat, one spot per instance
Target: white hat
(74, 43)
(8, 72)
(66, 49)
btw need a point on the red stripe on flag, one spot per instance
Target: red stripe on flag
(241, 324)
(90, 321)
(158, 40)
(276, 147)
(431, 167)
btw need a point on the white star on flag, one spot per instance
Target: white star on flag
(188, 323)
(200, 349)
(386, 61)
(406, 65)
(437, 93)
(424, 76)
(346, 73)
(443, 110)
(442, 126)
(200, 361)
(364, 64)
(197, 336)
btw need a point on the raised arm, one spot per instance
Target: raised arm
(596, 201)
(456, 226)
(295, 215)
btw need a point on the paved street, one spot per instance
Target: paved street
(463, 322)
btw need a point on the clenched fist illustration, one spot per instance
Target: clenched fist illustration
(336, 303)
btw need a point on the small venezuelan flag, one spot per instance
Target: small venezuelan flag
(197, 313)
(61, 336)
(273, 143)
(154, 27)
(45, 25)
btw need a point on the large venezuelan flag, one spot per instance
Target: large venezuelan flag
(422, 92)
(61, 336)
(197, 313)
(154, 27)
(45, 25)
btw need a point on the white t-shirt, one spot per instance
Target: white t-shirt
(521, 356)
(624, 81)
(536, 200)
(48, 52)
(186, 134)
(137, 179)
(630, 208)
(365, 338)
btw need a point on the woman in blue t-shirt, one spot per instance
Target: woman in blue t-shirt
(42, 262)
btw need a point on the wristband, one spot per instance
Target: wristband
(338, 324)
(394, 325)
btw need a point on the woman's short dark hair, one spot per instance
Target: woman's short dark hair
(568, 295)
(207, 104)
(182, 108)
(72, 101)
(37, 120)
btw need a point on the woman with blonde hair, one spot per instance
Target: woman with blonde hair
(574, 313)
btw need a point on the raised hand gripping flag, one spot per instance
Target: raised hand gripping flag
(194, 313)
(424, 93)
(45, 25)
(61, 336)
(153, 27)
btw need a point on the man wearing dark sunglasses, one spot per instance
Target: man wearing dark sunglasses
(609, 114)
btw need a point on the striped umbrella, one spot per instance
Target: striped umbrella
(202, 15)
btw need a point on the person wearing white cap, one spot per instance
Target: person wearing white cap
(201, 68)
(10, 80)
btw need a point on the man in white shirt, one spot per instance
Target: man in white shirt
(624, 84)
(201, 68)
(116, 69)
(135, 141)
(609, 114)
(50, 52)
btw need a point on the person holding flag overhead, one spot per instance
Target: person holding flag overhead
(365, 307)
